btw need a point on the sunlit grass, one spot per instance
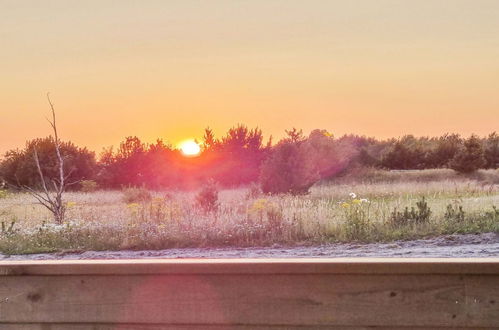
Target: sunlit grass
(104, 220)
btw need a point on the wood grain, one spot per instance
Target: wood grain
(94, 326)
(236, 299)
(482, 299)
(254, 266)
(200, 298)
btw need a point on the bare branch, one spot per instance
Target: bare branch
(31, 191)
(40, 173)
(52, 201)
(57, 146)
(54, 183)
(72, 183)
(66, 177)
(43, 202)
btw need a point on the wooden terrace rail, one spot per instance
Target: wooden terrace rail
(248, 294)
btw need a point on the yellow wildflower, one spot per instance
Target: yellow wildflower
(132, 205)
(260, 204)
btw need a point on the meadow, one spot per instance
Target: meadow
(372, 206)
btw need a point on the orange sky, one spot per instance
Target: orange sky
(170, 68)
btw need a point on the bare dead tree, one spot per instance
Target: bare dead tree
(50, 196)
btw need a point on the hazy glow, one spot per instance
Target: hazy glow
(190, 148)
(167, 69)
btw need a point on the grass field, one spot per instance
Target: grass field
(367, 207)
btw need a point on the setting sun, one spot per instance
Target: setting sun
(190, 148)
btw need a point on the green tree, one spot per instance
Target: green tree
(491, 152)
(399, 157)
(447, 147)
(470, 157)
(295, 135)
(209, 140)
(18, 167)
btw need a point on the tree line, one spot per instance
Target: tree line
(243, 156)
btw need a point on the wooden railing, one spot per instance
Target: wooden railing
(250, 294)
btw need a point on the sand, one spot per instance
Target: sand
(469, 245)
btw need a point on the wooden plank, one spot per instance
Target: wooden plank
(254, 266)
(312, 300)
(482, 300)
(94, 326)
(250, 294)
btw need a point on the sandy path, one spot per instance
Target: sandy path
(470, 245)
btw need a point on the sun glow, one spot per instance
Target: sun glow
(190, 148)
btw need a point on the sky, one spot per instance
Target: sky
(168, 69)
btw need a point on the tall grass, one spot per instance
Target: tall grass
(373, 175)
(109, 220)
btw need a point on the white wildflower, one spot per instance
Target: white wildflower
(353, 195)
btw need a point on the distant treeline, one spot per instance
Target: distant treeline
(242, 156)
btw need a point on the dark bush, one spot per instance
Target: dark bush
(416, 215)
(289, 169)
(207, 197)
(454, 213)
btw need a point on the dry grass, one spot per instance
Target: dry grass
(102, 220)
(372, 175)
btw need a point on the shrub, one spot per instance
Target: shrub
(8, 229)
(420, 214)
(295, 164)
(207, 197)
(454, 213)
(288, 169)
(275, 218)
(493, 215)
(3, 193)
(88, 186)
(136, 195)
(357, 222)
